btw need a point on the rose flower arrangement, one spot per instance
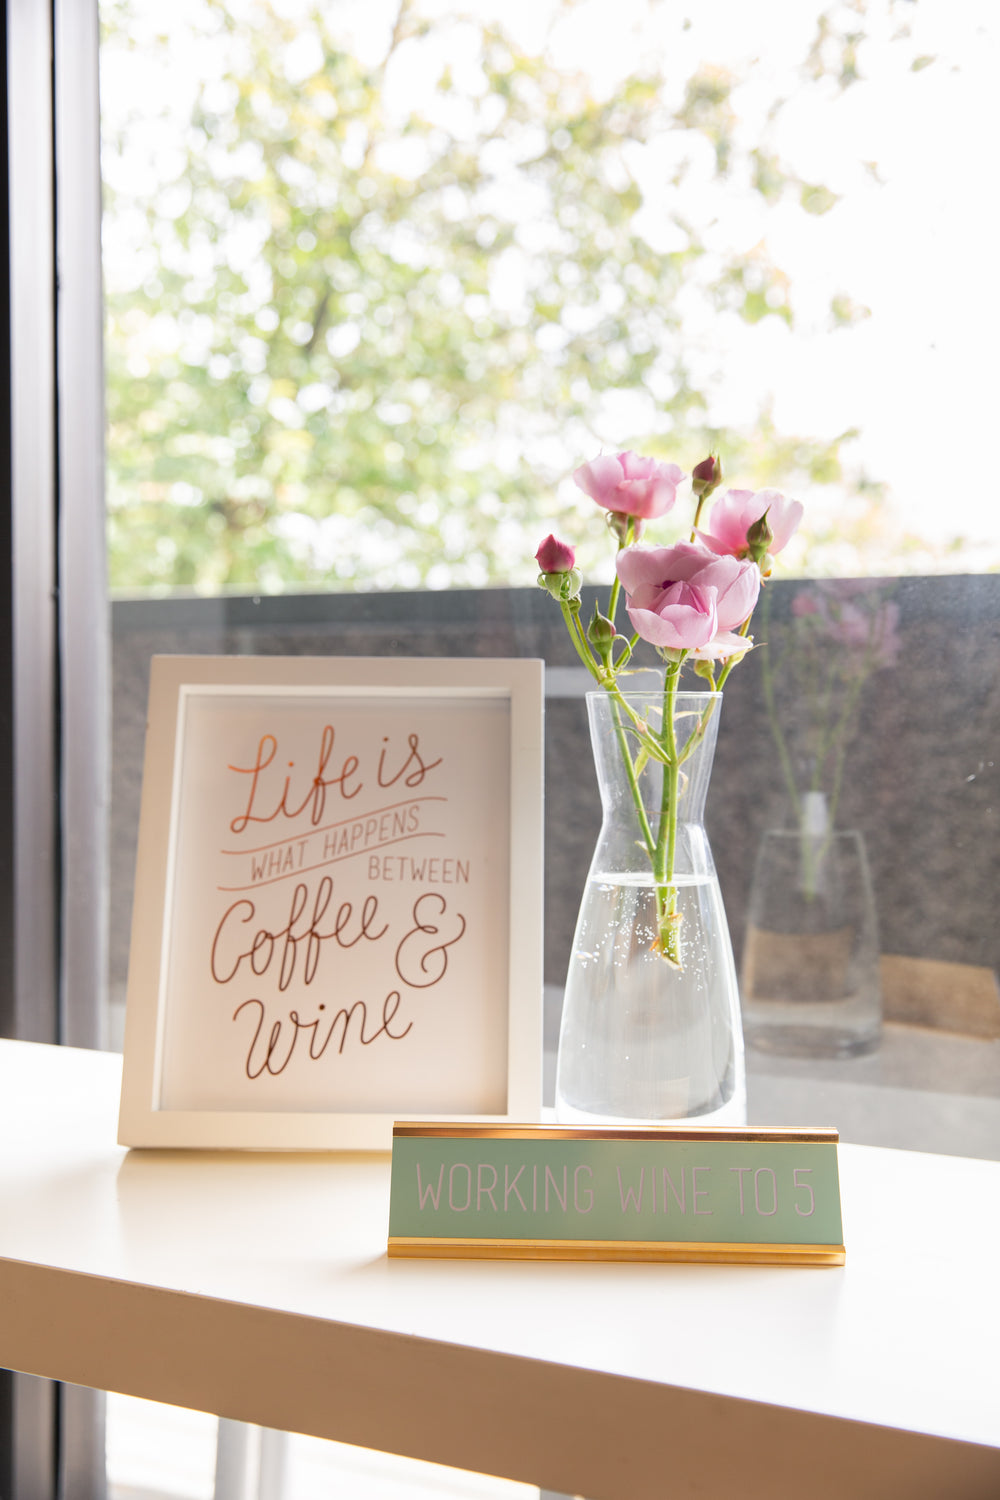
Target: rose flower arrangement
(692, 601)
(840, 632)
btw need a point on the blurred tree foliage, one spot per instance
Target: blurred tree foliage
(363, 339)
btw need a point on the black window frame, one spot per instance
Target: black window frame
(54, 633)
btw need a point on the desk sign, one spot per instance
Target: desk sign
(668, 1192)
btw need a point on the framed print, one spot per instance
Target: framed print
(338, 903)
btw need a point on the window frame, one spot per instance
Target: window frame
(53, 677)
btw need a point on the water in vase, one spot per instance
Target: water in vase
(641, 1040)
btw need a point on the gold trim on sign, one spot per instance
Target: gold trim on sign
(414, 1246)
(822, 1135)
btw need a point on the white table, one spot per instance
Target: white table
(257, 1287)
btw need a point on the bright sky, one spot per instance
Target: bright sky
(916, 247)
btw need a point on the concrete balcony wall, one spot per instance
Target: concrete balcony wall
(921, 775)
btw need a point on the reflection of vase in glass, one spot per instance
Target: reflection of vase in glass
(643, 1039)
(810, 973)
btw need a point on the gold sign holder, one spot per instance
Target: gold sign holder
(662, 1193)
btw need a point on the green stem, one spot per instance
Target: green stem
(839, 738)
(730, 663)
(572, 618)
(767, 682)
(697, 735)
(623, 657)
(811, 858)
(649, 741)
(669, 919)
(633, 780)
(616, 586)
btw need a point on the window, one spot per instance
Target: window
(283, 445)
(379, 277)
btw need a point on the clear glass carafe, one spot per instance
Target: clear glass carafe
(645, 1038)
(810, 980)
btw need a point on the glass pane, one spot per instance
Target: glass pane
(379, 277)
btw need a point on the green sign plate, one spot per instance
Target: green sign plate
(663, 1193)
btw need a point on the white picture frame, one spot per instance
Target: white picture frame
(337, 917)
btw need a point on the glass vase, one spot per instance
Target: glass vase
(810, 972)
(647, 1037)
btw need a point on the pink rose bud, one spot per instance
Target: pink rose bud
(806, 602)
(759, 539)
(600, 629)
(619, 525)
(706, 476)
(554, 556)
(733, 516)
(600, 632)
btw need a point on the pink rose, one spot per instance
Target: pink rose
(685, 598)
(737, 511)
(869, 626)
(554, 556)
(630, 485)
(852, 627)
(805, 604)
(886, 644)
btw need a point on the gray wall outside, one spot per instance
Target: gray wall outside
(921, 779)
